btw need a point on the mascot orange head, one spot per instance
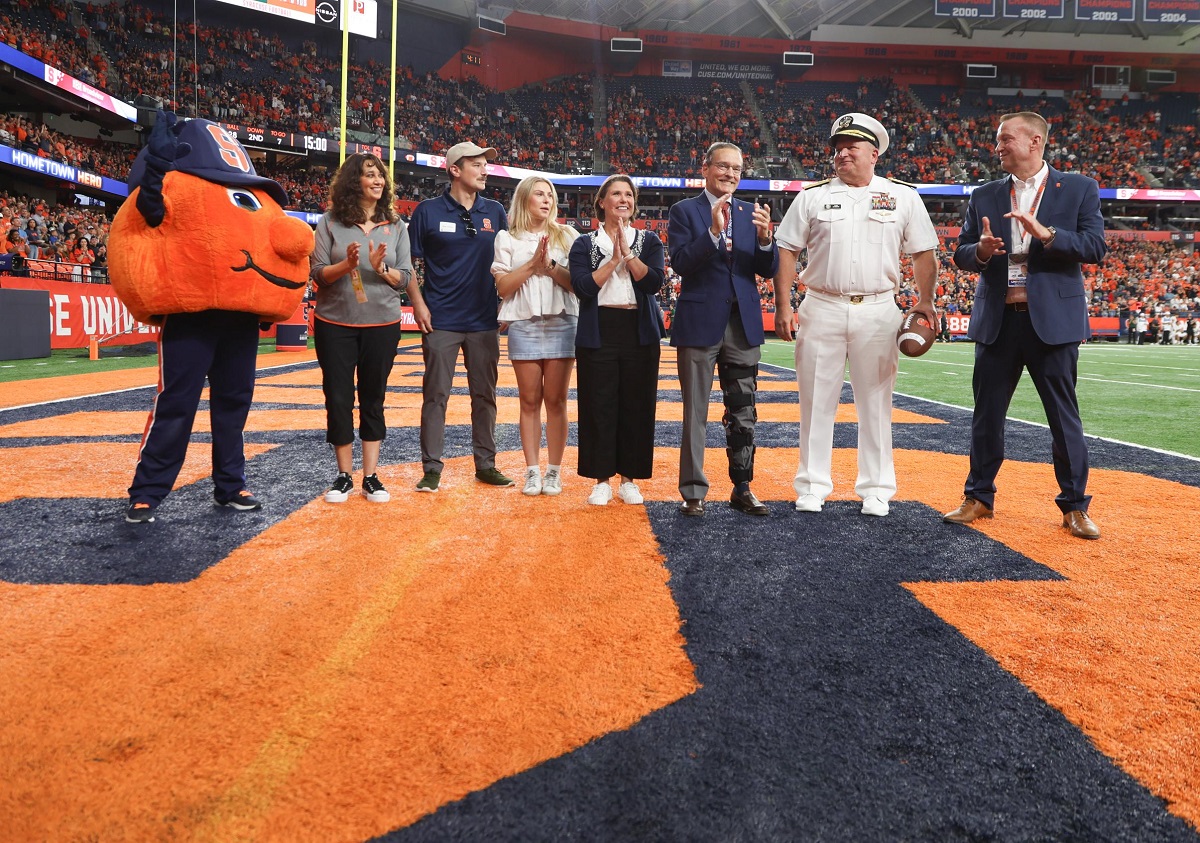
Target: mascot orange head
(203, 231)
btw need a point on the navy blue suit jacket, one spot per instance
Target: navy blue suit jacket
(708, 284)
(1057, 299)
(650, 324)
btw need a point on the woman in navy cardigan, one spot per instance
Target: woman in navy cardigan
(615, 272)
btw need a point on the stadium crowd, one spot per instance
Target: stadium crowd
(663, 126)
(644, 126)
(921, 146)
(44, 235)
(103, 157)
(649, 125)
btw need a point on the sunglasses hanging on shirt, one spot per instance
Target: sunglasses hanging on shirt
(468, 223)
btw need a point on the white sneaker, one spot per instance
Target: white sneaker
(874, 506)
(533, 481)
(809, 503)
(630, 493)
(552, 484)
(601, 494)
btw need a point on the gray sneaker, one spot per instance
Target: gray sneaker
(430, 482)
(493, 477)
(552, 484)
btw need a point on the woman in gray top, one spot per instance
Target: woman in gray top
(360, 266)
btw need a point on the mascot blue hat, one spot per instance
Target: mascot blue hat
(211, 152)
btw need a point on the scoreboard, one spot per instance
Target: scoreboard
(298, 142)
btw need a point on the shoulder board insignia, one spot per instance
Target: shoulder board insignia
(817, 184)
(905, 183)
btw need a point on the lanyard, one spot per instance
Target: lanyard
(1026, 237)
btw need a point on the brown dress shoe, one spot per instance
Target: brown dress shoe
(693, 506)
(1080, 525)
(746, 502)
(968, 511)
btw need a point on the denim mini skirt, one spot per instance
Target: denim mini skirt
(542, 337)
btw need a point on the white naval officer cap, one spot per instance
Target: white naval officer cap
(860, 127)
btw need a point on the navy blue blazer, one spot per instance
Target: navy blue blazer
(650, 323)
(1057, 299)
(709, 284)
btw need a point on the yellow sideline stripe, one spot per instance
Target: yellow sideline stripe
(238, 814)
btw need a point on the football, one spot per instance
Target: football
(916, 335)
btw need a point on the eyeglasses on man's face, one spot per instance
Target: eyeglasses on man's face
(468, 223)
(726, 167)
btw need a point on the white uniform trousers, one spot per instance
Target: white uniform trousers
(832, 330)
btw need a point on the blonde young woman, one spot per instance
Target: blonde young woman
(615, 272)
(541, 311)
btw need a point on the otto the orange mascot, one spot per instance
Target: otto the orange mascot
(202, 248)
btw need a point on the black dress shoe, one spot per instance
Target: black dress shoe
(693, 506)
(747, 503)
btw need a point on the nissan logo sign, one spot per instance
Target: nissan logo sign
(326, 11)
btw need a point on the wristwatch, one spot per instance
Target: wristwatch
(1053, 233)
(553, 264)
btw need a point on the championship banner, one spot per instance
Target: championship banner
(1111, 11)
(81, 311)
(965, 8)
(1035, 9)
(1172, 11)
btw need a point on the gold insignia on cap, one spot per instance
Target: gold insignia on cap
(845, 121)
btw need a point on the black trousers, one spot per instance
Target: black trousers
(1053, 368)
(617, 389)
(342, 349)
(222, 346)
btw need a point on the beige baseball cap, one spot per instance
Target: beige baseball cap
(466, 149)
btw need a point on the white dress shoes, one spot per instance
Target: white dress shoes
(809, 503)
(874, 506)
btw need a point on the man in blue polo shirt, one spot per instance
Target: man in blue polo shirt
(454, 235)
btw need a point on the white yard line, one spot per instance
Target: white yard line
(1047, 427)
(1135, 383)
(1042, 425)
(130, 389)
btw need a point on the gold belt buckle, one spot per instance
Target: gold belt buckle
(857, 299)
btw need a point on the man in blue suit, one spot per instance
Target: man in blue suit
(718, 245)
(1026, 235)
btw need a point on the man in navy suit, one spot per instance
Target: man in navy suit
(718, 245)
(1026, 235)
